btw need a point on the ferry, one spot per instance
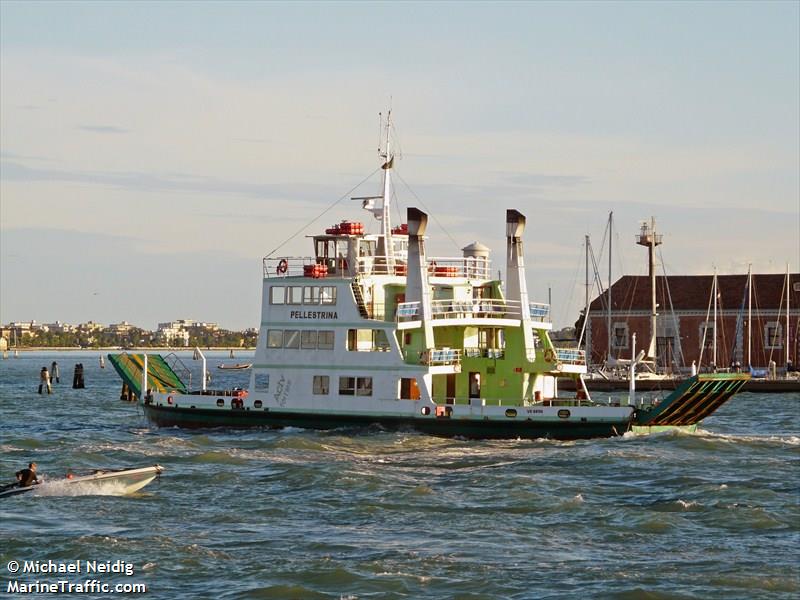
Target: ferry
(369, 329)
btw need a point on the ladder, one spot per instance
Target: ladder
(362, 308)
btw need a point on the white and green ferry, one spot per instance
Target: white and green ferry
(369, 329)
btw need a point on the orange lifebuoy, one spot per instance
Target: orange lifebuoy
(283, 266)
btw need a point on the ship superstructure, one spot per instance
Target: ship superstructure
(370, 329)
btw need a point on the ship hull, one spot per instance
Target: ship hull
(439, 426)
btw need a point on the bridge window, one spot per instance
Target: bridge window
(311, 294)
(295, 295)
(322, 384)
(277, 294)
(328, 294)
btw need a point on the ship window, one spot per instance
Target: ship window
(295, 295)
(409, 390)
(325, 340)
(262, 382)
(322, 384)
(328, 294)
(347, 386)
(277, 294)
(291, 338)
(773, 335)
(308, 340)
(275, 338)
(364, 386)
(310, 295)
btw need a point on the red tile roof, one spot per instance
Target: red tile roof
(693, 292)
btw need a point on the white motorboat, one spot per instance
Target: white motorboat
(119, 482)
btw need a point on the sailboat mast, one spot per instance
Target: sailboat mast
(608, 318)
(714, 341)
(749, 314)
(786, 352)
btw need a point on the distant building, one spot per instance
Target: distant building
(89, 327)
(120, 328)
(685, 324)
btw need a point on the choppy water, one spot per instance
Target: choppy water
(370, 514)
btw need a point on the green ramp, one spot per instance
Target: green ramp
(160, 376)
(694, 400)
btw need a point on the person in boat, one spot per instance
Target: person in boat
(27, 477)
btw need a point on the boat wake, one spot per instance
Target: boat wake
(65, 488)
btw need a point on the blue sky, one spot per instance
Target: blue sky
(153, 152)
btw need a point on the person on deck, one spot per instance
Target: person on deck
(27, 477)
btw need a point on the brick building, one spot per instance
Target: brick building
(685, 325)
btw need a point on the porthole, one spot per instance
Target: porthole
(257, 404)
(511, 412)
(563, 413)
(426, 410)
(220, 402)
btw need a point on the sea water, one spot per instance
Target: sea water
(372, 514)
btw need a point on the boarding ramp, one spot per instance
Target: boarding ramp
(161, 376)
(694, 399)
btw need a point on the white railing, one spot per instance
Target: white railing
(286, 266)
(571, 356)
(382, 265)
(471, 268)
(441, 357)
(486, 308)
(484, 353)
(408, 311)
(539, 311)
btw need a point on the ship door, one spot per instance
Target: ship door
(474, 385)
(451, 388)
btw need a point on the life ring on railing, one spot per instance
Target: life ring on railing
(549, 355)
(283, 266)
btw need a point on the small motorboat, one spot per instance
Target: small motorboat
(123, 482)
(236, 366)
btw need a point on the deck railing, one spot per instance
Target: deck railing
(539, 311)
(486, 308)
(484, 353)
(571, 356)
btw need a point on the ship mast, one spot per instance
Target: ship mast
(386, 225)
(647, 237)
